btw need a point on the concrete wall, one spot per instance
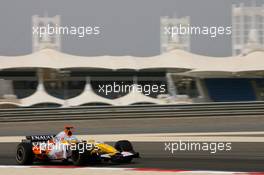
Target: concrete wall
(6, 87)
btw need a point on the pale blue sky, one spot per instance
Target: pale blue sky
(129, 27)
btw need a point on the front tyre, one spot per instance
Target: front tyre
(124, 145)
(24, 154)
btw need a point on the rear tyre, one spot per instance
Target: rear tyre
(80, 157)
(24, 154)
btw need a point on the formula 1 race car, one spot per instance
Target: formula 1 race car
(31, 149)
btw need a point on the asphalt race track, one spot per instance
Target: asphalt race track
(153, 156)
(243, 157)
(124, 126)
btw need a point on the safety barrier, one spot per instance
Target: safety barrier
(138, 111)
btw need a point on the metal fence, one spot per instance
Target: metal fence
(138, 111)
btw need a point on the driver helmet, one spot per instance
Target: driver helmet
(68, 130)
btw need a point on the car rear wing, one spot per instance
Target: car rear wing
(40, 138)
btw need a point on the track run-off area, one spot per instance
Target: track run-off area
(245, 133)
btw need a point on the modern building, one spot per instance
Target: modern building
(49, 77)
(52, 40)
(168, 42)
(247, 24)
(52, 78)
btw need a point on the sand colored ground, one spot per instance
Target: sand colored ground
(97, 171)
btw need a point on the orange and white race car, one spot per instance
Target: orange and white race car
(39, 148)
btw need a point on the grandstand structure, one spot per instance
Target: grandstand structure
(50, 78)
(39, 80)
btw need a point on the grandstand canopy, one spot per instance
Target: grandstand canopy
(176, 60)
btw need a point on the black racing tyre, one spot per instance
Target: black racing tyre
(124, 145)
(24, 154)
(80, 157)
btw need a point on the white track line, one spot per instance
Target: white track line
(166, 137)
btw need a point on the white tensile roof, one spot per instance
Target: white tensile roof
(136, 97)
(175, 59)
(39, 97)
(88, 96)
(48, 58)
